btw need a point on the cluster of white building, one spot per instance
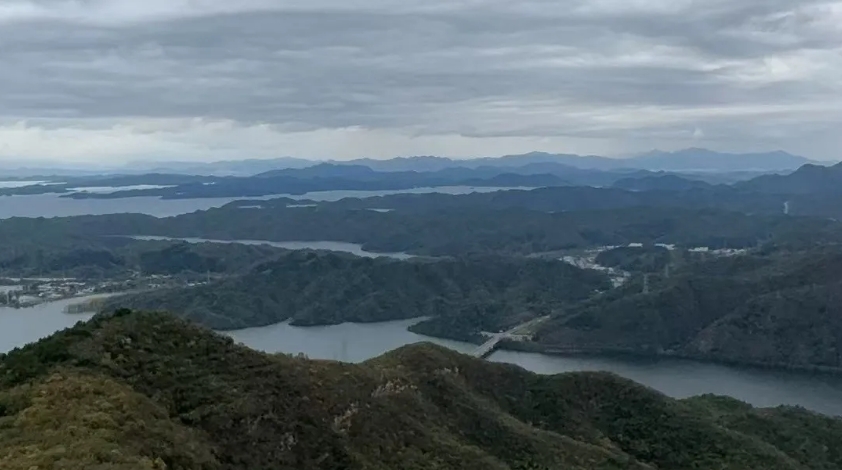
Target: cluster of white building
(588, 261)
(619, 277)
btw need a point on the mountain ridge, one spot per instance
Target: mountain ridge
(777, 309)
(808, 179)
(691, 159)
(148, 391)
(700, 159)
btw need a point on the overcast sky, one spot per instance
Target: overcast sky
(119, 80)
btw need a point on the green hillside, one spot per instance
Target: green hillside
(778, 308)
(148, 391)
(465, 295)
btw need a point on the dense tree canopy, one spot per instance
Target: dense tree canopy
(493, 228)
(146, 391)
(778, 308)
(324, 288)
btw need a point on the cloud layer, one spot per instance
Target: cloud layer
(206, 79)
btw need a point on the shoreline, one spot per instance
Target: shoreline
(535, 348)
(506, 345)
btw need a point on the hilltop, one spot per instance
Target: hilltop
(809, 179)
(464, 295)
(689, 160)
(773, 307)
(692, 159)
(148, 391)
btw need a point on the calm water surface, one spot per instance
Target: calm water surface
(114, 189)
(682, 379)
(18, 184)
(349, 342)
(330, 196)
(356, 343)
(51, 205)
(21, 326)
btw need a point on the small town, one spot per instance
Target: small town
(588, 259)
(29, 292)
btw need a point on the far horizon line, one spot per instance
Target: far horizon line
(628, 156)
(45, 164)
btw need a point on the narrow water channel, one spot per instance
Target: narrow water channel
(358, 342)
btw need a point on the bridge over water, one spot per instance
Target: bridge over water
(488, 347)
(518, 333)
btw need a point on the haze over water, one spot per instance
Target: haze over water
(52, 205)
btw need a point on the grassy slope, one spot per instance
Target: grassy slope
(149, 391)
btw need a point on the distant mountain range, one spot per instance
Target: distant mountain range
(689, 160)
(694, 160)
(535, 170)
(703, 160)
(456, 174)
(809, 179)
(245, 167)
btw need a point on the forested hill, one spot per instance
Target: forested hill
(526, 171)
(324, 288)
(146, 391)
(779, 309)
(806, 190)
(112, 257)
(809, 179)
(265, 186)
(448, 231)
(660, 183)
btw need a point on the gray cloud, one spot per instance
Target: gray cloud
(634, 73)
